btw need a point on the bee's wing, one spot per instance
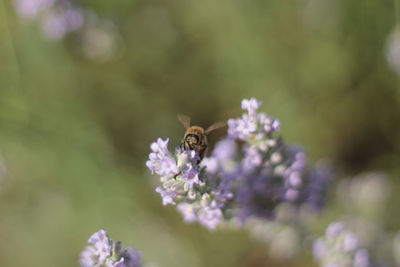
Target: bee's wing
(215, 126)
(185, 120)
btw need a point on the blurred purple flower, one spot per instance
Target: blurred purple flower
(56, 17)
(29, 9)
(211, 165)
(340, 247)
(74, 19)
(103, 251)
(188, 212)
(319, 180)
(210, 215)
(225, 150)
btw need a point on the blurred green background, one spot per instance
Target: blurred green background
(75, 133)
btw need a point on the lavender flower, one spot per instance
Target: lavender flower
(102, 251)
(179, 173)
(199, 189)
(161, 160)
(270, 172)
(225, 150)
(232, 185)
(56, 17)
(341, 247)
(206, 212)
(30, 9)
(252, 126)
(269, 188)
(319, 179)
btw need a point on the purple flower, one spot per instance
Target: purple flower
(161, 160)
(191, 176)
(179, 172)
(206, 212)
(270, 172)
(361, 258)
(334, 230)
(30, 9)
(270, 177)
(252, 158)
(251, 105)
(129, 258)
(60, 17)
(167, 196)
(102, 245)
(74, 19)
(254, 182)
(102, 251)
(242, 128)
(252, 126)
(211, 165)
(340, 247)
(188, 212)
(210, 215)
(319, 249)
(57, 17)
(317, 185)
(225, 149)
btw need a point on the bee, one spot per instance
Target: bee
(195, 137)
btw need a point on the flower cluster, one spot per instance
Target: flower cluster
(102, 251)
(183, 180)
(238, 183)
(319, 179)
(56, 17)
(98, 38)
(272, 173)
(252, 126)
(178, 173)
(341, 247)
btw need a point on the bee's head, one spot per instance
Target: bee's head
(192, 140)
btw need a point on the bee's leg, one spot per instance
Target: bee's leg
(182, 146)
(202, 152)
